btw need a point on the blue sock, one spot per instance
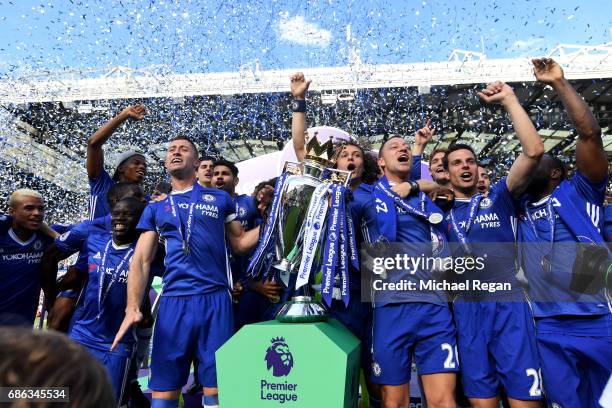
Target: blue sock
(164, 403)
(210, 401)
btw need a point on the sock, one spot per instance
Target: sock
(164, 403)
(210, 401)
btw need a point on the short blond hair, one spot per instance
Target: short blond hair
(17, 195)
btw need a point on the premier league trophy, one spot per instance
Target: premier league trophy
(295, 228)
(306, 233)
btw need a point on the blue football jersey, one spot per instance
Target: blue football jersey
(5, 222)
(20, 276)
(608, 223)
(425, 241)
(550, 288)
(415, 172)
(204, 268)
(491, 235)
(105, 299)
(249, 217)
(363, 214)
(246, 211)
(98, 189)
(74, 240)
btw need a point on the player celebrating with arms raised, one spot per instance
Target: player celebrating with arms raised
(574, 329)
(495, 332)
(131, 166)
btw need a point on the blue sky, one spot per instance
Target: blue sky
(212, 35)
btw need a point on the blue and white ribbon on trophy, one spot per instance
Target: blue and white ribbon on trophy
(331, 248)
(352, 241)
(339, 248)
(315, 220)
(258, 262)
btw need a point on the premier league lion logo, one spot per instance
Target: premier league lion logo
(279, 357)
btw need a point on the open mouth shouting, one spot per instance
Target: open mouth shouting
(403, 158)
(466, 176)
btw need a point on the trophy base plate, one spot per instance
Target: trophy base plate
(302, 309)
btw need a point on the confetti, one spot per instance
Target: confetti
(45, 40)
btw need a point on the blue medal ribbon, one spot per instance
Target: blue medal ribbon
(401, 203)
(550, 217)
(462, 233)
(114, 275)
(261, 259)
(185, 236)
(388, 223)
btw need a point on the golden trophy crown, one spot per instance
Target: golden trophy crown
(319, 153)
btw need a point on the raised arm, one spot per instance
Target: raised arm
(241, 241)
(590, 155)
(95, 154)
(138, 278)
(422, 137)
(299, 86)
(525, 164)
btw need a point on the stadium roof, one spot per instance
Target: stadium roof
(463, 67)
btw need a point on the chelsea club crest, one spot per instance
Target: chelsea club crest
(486, 202)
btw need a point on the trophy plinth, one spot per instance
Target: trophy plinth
(302, 309)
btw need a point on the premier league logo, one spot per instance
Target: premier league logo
(279, 358)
